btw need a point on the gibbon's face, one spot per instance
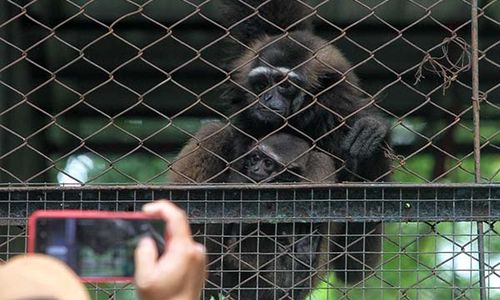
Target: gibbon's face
(260, 166)
(280, 76)
(278, 92)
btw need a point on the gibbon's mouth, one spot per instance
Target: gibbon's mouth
(258, 177)
(267, 111)
(269, 116)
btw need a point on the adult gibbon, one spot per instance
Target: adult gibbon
(290, 78)
(287, 77)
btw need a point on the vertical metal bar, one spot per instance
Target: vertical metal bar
(475, 92)
(477, 137)
(480, 246)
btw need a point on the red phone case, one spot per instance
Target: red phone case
(87, 214)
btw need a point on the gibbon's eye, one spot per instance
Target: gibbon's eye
(259, 83)
(254, 159)
(287, 89)
(268, 164)
(285, 85)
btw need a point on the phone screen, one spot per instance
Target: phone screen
(96, 247)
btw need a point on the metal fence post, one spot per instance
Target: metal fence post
(477, 138)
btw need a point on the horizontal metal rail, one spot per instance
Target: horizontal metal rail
(271, 203)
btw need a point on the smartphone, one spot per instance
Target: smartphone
(98, 245)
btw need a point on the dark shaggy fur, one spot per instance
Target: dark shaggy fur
(329, 111)
(247, 26)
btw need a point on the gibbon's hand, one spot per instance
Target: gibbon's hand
(179, 273)
(364, 138)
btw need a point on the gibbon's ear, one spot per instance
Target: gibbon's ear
(329, 79)
(229, 93)
(338, 91)
(232, 95)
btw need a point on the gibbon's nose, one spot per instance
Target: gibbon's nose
(256, 168)
(276, 103)
(270, 100)
(258, 176)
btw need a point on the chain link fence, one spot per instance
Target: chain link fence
(99, 98)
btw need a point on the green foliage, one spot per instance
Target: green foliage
(421, 261)
(135, 168)
(419, 169)
(415, 170)
(103, 291)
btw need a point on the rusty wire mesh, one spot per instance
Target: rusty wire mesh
(108, 92)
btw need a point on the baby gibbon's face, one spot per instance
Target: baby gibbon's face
(259, 166)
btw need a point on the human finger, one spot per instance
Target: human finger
(176, 219)
(145, 257)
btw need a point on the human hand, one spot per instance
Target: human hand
(179, 273)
